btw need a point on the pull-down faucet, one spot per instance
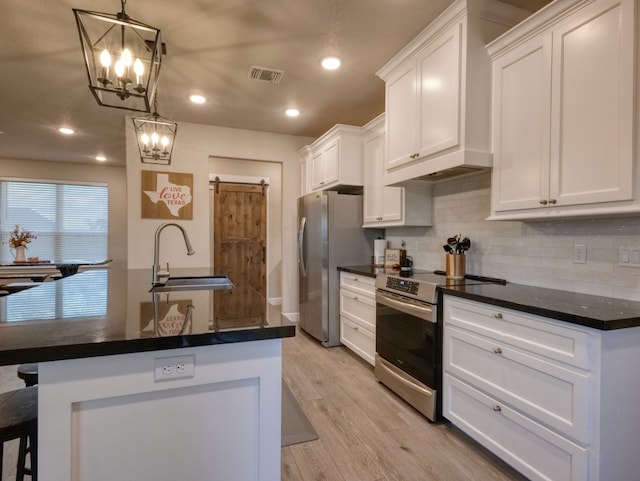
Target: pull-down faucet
(157, 273)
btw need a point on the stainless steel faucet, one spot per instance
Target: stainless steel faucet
(157, 273)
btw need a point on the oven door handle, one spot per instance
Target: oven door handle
(422, 311)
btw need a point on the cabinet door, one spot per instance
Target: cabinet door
(331, 161)
(392, 204)
(521, 131)
(401, 116)
(373, 152)
(592, 138)
(439, 93)
(317, 170)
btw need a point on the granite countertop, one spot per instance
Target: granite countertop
(107, 311)
(603, 313)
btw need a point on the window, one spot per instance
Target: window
(69, 220)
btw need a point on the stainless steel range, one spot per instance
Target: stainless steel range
(408, 335)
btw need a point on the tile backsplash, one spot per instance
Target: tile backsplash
(533, 253)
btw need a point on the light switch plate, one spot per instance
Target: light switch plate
(629, 256)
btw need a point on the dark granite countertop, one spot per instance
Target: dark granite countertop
(597, 312)
(604, 313)
(107, 311)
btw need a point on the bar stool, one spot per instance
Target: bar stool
(28, 373)
(19, 420)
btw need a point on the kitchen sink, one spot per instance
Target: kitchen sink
(206, 283)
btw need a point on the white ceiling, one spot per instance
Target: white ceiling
(210, 46)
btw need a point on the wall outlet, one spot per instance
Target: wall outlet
(629, 256)
(579, 253)
(177, 367)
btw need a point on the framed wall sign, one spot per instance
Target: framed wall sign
(167, 195)
(394, 256)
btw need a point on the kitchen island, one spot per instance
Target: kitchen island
(135, 385)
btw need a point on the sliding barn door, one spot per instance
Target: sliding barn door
(240, 252)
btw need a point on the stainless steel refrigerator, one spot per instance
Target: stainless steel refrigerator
(330, 234)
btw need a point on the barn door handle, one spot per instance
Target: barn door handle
(264, 253)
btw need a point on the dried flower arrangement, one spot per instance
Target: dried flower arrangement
(20, 237)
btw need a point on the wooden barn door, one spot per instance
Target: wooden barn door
(240, 253)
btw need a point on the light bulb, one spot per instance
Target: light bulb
(126, 57)
(138, 68)
(154, 138)
(119, 68)
(144, 138)
(165, 142)
(105, 58)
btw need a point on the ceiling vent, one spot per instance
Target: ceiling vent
(266, 74)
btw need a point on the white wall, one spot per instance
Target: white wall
(114, 177)
(531, 253)
(195, 144)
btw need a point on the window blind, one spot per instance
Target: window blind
(69, 220)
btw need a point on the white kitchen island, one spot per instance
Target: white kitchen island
(118, 400)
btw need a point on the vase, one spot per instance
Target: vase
(20, 254)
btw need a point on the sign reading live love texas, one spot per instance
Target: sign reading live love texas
(167, 195)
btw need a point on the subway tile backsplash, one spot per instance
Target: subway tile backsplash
(532, 253)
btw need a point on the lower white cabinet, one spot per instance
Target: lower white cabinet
(548, 397)
(358, 314)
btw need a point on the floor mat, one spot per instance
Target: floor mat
(296, 427)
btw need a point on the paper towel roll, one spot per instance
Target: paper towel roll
(379, 245)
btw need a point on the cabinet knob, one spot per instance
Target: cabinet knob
(497, 408)
(497, 350)
(498, 316)
(544, 202)
(552, 201)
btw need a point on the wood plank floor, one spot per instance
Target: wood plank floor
(366, 432)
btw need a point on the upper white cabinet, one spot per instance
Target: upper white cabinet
(385, 206)
(335, 158)
(563, 112)
(438, 92)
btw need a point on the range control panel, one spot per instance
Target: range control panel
(402, 285)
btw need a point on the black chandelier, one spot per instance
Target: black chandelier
(155, 136)
(122, 57)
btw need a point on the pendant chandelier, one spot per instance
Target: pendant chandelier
(122, 57)
(155, 136)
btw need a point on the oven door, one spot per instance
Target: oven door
(406, 344)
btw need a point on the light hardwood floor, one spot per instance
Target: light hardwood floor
(366, 432)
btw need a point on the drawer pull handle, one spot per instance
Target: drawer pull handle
(498, 316)
(497, 350)
(497, 408)
(544, 202)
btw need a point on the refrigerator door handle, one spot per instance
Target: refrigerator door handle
(303, 226)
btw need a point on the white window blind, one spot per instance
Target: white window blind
(69, 220)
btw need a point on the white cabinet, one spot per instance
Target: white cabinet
(358, 314)
(336, 158)
(385, 206)
(563, 112)
(438, 94)
(542, 394)
(305, 162)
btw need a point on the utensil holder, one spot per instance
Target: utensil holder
(455, 266)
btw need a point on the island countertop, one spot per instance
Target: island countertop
(108, 311)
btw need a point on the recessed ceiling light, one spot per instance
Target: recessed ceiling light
(292, 112)
(331, 63)
(197, 99)
(101, 158)
(66, 130)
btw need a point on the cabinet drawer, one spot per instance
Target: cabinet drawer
(361, 284)
(360, 308)
(532, 449)
(360, 340)
(551, 393)
(533, 333)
